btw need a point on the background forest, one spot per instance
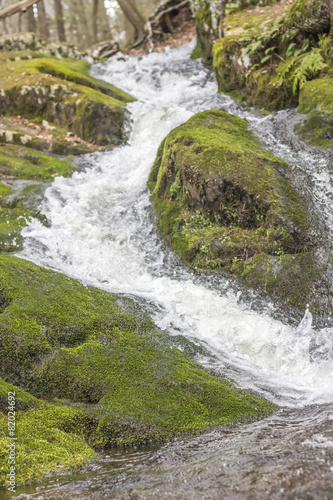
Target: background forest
(82, 22)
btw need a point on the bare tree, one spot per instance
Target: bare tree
(79, 18)
(94, 20)
(60, 20)
(31, 20)
(42, 20)
(134, 17)
(103, 22)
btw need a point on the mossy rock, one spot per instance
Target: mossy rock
(310, 17)
(107, 373)
(20, 162)
(24, 176)
(242, 69)
(224, 203)
(316, 100)
(48, 437)
(210, 23)
(62, 92)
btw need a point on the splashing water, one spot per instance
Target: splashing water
(102, 233)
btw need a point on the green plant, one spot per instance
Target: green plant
(300, 68)
(325, 45)
(293, 51)
(175, 187)
(260, 37)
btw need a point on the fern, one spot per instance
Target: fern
(300, 69)
(311, 64)
(260, 37)
(325, 45)
(283, 70)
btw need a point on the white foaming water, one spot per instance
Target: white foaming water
(101, 233)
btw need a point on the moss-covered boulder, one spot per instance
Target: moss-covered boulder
(48, 437)
(265, 56)
(246, 59)
(24, 175)
(106, 376)
(209, 19)
(224, 203)
(62, 92)
(316, 100)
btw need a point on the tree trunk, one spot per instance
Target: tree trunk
(73, 23)
(4, 27)
(103, 20)
(31, 20)
(134, 17)
(84, 35)
(94, 20)
(60, 20)
(42, 21)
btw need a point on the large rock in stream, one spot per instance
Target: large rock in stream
(225, 203)
(63, 93)
(96, 373)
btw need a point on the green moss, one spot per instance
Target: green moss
(77, 71)
(316, 99)
(218, 144)
(144, 389)
(20, 162)
(62, 92)
(48, 437)
(31, 71)
(240, 21)
(197, 53)
(4, 190)
(251, 55)
(11, 223)
(26, 163)
(222, 202)
(61, 339)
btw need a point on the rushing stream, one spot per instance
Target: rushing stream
(102, 231)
